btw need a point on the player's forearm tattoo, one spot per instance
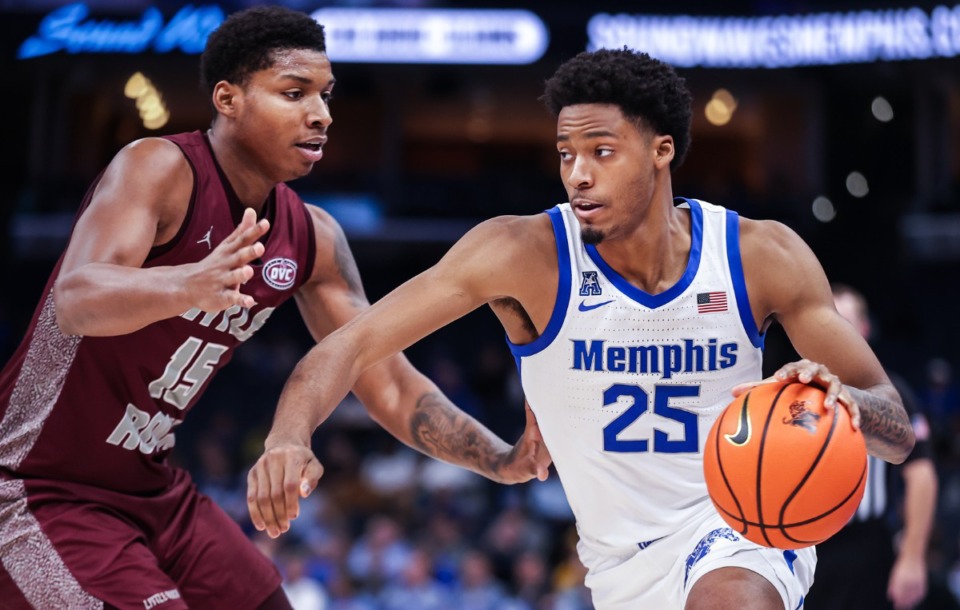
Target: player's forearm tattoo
(441, 430)
(347, 268)
(883, 418)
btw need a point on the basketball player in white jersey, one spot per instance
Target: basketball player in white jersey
(631, 315)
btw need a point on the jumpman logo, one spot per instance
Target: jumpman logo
(206, 238)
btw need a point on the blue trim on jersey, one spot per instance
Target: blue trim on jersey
(646, 299)
(516, 360)
(739, 283)
(790, 557)
(563, 294)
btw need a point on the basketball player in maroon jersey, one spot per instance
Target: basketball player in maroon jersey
(183, 247)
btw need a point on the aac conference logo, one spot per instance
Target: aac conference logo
(280, 273)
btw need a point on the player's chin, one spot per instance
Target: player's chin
(298, 171)
(591, 234)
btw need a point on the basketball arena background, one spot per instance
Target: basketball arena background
(841, 119)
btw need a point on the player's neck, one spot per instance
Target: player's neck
(251, 187)
(653, 254)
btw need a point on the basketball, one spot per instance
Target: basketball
(782, 469)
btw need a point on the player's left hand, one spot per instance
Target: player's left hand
(529, 458)
(908, 583)
(816, 374)
(283, 474)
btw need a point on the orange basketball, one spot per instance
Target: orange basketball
(783, 470)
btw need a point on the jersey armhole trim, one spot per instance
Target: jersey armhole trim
(563, 293)
(311, 243)
(158, 251)
(739, 283)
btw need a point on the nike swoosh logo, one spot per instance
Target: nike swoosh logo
(584, 307)
(743, 430)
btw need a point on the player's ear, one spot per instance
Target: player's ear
(663, 150)
(226, 97)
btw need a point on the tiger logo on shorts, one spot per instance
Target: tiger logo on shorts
(706, 543)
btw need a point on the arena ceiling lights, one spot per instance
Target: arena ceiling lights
(784, 40)
(433, 36)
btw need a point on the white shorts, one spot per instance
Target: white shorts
(662, 574)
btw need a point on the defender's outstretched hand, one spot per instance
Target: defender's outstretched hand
(812, 373)
(529, 457)
(284, 473)
(215, 281)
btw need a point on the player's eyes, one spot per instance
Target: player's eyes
(294, 95)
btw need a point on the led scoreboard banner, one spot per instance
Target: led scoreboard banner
(784, 40)
(516, 36)
(442, 36)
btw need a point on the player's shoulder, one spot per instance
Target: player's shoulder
(502, 241)
(514, 232)
(780, 269)
(770, 241)
(151, 171)
(156, 159)
(325, 226)
(153, 149)
(326, 229)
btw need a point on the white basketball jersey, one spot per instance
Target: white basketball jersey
(626, 385)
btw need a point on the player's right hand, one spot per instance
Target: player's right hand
(529, 458)
(283, 474)
(215, 281)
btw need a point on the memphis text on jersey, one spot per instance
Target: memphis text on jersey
(664, 359)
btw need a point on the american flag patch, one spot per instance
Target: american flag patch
(708, 302)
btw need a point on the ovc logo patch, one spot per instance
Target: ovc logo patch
(280, 273)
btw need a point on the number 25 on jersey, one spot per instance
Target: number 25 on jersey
(662, 442)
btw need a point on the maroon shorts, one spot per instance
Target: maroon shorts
(64, 545)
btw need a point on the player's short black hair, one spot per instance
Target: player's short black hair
(247, 41)
(644, 88)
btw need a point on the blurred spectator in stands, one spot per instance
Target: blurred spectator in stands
(449, 377)
(417, 588)
(346, 595)
(530, 579)
(493, 376)
(448, 488)
(381, 555)
(568, 579)
(217, 477)
(390, 473)
(511, 534)
(477, 589)
(444, 538)
(304, 592)
(941, 398)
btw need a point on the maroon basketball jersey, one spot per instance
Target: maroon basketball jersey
(103, 411)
